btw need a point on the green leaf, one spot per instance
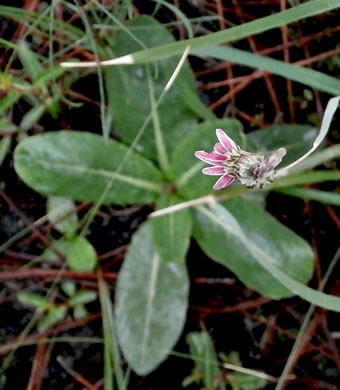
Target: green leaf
(5, 145)
(32, 117)
(112, 356)
(80, 311)
(296, 139)
(331, 107)
(301, 11)
(128, 91)
(310, 194)
(318, 158)
(151, 304)
(54, 315)
(82, 297)
(61, 246)
(256, 247)
(223, 232)
(29, 60)
(309, 77)
(171, 232)
(69, 287)
(203, 353)
(41, 22)
(186, 168)
(81, 255)
(7, 127)
(62, 213)
(306, 177)
(45, 76)
(82, 166)
(8, 101)
(33, 300)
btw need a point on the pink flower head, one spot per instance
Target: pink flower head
(229, 161)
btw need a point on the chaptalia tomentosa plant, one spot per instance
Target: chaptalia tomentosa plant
(254, 170)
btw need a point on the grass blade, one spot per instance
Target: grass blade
(311, 8)
(306, 76)
(310, 194)
(111, 351)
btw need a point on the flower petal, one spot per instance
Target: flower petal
(213, 171)
(226, 141)
(210, 158)
(223, 182)
(219, 148)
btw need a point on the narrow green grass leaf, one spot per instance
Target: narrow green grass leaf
(318, 158)
(306, 178)
(29, 60)
(310, 194)
(32, 117)
(45, 76)
(205, 357)
(181, 16)
(42, 22)
(8, 101)
(302, 11)
(112, 358)
(332, 106)
(306, 76)
(95, 49)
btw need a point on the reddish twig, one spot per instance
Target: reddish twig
(251, 119)
(76, 376)
(278, 48)
(37, 273)
(267, 77)
(323, 318)
(39, 366)
(334, 217)
(249, 78)
(239, 307)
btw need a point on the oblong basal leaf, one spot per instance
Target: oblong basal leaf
(128, 90)
(82, 166)
(171, 232)
(296, 139)
(224, 234)
(186, 168)
(151, 304)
